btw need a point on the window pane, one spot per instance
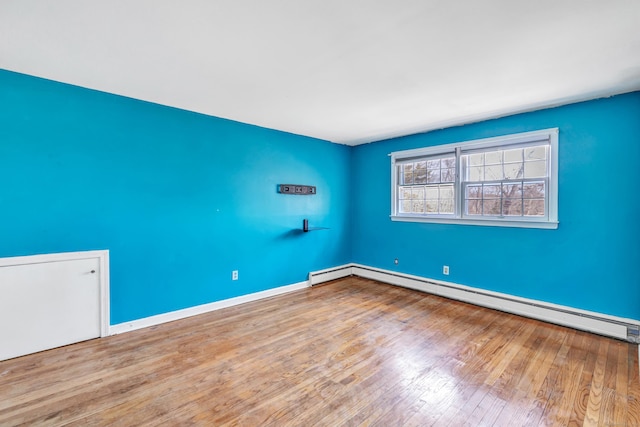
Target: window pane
(493, 157)
(491, 191)
(475, 173)
(432, 199)
(420, 173)
(512, 207)
(433, 164)
(404, 192)
(433, 175)
(476, 159)
(407, 174)
(446, 191)
(536, 153)
(417, 193)
(534, 190)
(474, 192)
(534, 207)
(446, 206)
(491, 207)
(493, 173)
(474, 207)
(417, 206)
(512, 190)
(432, 192)
(513, 155)
(448, 175)
(513, 170)
(449, 162)
(537, 169)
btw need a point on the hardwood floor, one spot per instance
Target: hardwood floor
(351, 352)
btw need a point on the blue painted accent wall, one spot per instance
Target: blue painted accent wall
(180, 199)
(592, 261)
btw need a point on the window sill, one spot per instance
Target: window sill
(549, 225)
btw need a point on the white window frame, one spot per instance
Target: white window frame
(550, 221)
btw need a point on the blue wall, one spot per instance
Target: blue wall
(592, 261)
(180, 199)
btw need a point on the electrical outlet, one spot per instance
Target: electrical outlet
(445, 270)
(234, 275)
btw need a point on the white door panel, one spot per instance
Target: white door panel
(47, 305)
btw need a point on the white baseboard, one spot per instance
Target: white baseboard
(590, 321)
(599, 323)
(326, 275)
(204, 308)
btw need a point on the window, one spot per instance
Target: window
(506, 181)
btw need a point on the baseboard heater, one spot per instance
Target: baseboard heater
(620, 328)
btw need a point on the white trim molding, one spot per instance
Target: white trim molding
(326, 275)
(201, 309)
(599, 323)
(103, 261)
(550, 225)
(105, 297)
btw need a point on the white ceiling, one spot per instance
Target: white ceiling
(344, 71)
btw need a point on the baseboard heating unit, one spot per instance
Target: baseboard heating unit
(602, 324)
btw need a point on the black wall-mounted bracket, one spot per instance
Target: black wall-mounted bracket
(300, 190)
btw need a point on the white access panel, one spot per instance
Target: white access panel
(49, 304)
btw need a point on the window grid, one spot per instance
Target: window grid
(509, 182)
(505, 198)
(427, 186)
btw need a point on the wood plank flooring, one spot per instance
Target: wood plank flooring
(351, 352)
